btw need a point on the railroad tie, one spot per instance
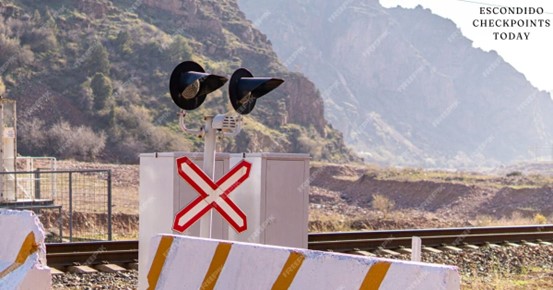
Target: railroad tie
(451, 248)
(388, 252)
(526, 243)
(109, 268)
(81, 269)
(510, 244)
(430, 250)
(470, 246)
(357, 251)
(544, 243)
(492, 245)
(404, 250)
(55, 271)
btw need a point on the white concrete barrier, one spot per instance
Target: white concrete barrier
(22, 251)
(182, 262)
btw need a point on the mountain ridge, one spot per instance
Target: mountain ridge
(418, 92)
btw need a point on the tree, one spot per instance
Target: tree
(124, 42)
(9, 48)
(86, 97)
(81, 143)
(102, 90)
(98, 59)
(179, 50)
(31, 136)
(50, 21)
(36, 16)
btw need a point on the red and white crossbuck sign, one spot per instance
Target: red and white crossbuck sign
(212, 195)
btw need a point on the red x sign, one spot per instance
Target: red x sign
(212, 195)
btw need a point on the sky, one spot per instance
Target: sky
(532, 57)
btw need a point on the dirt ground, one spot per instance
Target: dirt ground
(423, 198)
(341, 196)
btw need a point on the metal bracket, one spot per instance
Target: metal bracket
(200, 132)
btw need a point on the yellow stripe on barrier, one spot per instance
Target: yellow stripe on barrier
(159, 259)
(28, 247)
(375, 276)
(289, 271)
(216, 266)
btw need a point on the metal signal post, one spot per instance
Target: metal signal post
(210, 149)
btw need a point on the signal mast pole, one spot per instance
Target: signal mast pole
(209, 168)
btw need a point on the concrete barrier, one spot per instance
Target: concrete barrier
(22, 251)
(182, 262)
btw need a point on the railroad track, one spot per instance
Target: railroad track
(61, 255)
(431, 238)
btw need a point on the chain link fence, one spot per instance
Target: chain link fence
(73, 205)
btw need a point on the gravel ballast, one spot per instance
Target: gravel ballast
(121, 280)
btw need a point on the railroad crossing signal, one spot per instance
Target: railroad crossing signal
(212, 195)
(245, 89)
(190, 84)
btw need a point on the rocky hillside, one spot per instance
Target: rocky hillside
(91, 79)
(405, 86)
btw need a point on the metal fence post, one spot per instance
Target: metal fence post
(109, 205)
(37, 183)
(71, 206)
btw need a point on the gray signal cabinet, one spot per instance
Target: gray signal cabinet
(274, 199)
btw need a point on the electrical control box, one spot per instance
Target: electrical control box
(274, 198)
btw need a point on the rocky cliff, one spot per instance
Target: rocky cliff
(405, 86)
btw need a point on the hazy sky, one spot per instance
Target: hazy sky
(532, 57)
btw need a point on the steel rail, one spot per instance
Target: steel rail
(430, 241)
(92, 258)
(383, 234)
(61, 255)
(91, 246)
